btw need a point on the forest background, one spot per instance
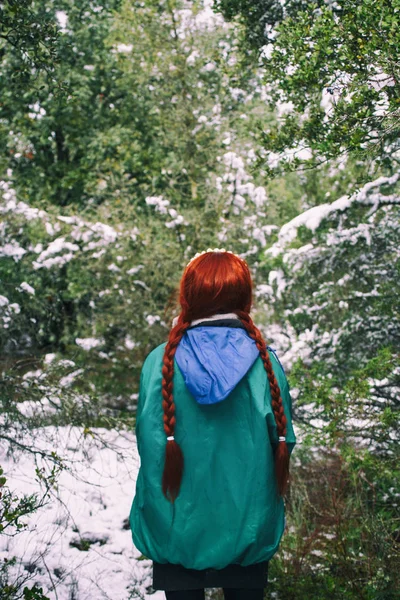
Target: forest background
(133, 135)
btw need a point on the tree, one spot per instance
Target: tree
(258, 17)
(333, 280)
(335, 68)
(333, 272)
(28, 42)
(45, 132)
(333, 285)
(151, 172)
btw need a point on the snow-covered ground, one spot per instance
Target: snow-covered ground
(78, 546)
(89, 510)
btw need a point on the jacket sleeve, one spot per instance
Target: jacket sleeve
(287, 407)
(140, 404)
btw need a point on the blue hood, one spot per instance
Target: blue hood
(213, 360)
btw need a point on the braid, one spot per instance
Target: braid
(282, 452)
(173, 467)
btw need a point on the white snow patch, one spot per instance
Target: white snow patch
(24, 286)
(89, 343)
(67, 380)
(124, 48)
(313, 217)
(13, 250)
(151, 319)
(62, 19)
(91, 505)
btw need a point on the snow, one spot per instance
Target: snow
(266, 51)
(49, 358)
(18, 208)
(313, 217)
(124, 48)
(56, 246)
(88, 343)
(50, 262)
(32, 374)
(12, 249)
(70, 378)
(351, 234)
(85, 231)
(236, 183)
(159, 202)
(24, 286)
(135, 270)
(9, 310)
(65, 362)
(3, 301)
(113, 267)
(15, 307)
(62, 19)
(204, 20)
(161, 205)
(210, 66)
(289, 345)
(381, 80)
(277, 278)
(90, 505)
(284, 108)
(327, 256)
(129, 342)
(151, 319)
(37, 111)
(62, 249)
(49, 228)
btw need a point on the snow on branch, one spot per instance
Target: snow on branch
(313, 217)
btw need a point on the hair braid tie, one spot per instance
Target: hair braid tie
(282, 456)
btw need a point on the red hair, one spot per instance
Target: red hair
(212, 283)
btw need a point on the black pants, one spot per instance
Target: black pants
(229, 594)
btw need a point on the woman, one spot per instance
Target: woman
(214, 434)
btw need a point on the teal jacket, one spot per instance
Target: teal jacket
(228, 510)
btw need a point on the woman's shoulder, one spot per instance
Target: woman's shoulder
(275, 359)
(277, 367)
(155, 356)
(151, 366)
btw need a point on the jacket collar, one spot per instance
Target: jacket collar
(215, 317)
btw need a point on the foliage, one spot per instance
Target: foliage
(135, 142)
(332, 284)
(343, 537)
(258, 17)
(28, 41)
(335, 68)
(333, 275)
(147, 192)
(42, 130)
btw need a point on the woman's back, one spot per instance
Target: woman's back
(228, 510)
